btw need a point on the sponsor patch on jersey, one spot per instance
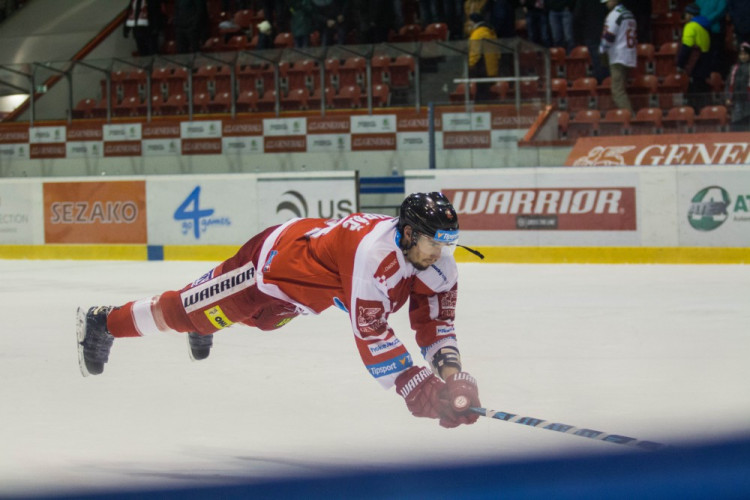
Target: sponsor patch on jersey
(383, 346)
(204, 278)
(387, 268)
(448, 304)
(218, 287)
(217, 317)
(391, 366)
(371, 317)
(271, 255)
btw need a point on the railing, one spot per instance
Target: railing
(318, 79)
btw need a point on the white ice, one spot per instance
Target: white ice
(652, 352)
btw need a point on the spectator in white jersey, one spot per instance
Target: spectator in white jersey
(618, 48)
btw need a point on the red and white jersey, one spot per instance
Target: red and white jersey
(355, 263)
(620, 37)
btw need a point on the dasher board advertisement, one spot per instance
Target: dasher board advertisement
(327, 195)
(545, 207)
(202, 210)
(714, 207)
(20, 213)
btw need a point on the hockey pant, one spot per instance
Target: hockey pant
(222, 297)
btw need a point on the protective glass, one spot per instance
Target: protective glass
(430, 245)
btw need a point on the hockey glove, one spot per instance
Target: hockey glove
(461, 393)
(421, 390)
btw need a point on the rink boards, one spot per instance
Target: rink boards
(667, 214)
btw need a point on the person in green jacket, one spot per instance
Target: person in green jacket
(694, 56)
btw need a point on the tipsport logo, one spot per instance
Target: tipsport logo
(708, 208)
(196, 219)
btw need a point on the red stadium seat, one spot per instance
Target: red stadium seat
(84, 108)
(578, 63)
(711, 119)
(672, 90)
(557, 60)
(379, 69)
(584, 124)
(563, 120)
(296, 99)
(679, 120)
(559, 90)
(381, 95)
(349, 96)
(642, 91)
(666, 28)
(352, 72)
(407, 33)
(646, 121)
(247, 101)
(315, 97)
(221, 103)
(499, 90)
(458, 96)
(604, 95)
(201, 101)
(267, 102)
(402, 72)
(582, 94)
(645, 59)
(615, 122)
(283, 41)
(665, 60)
(434, 31)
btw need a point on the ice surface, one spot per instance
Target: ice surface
(653, 352)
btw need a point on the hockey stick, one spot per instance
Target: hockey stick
(569, 429)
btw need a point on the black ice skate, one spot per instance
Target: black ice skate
(200, 345)
(94, 341)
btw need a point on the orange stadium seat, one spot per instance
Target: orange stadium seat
(672, 90)
(381, 95)
(201, 101)
(283, 40)
(584, 124)
(604, 95)
(578, 63)
(247, 101)
(582, 94)
(296, 99)
(642, 91)
(315, 98)
(615, 122)
(563, 120)
(434, 31)
(458, 95)
(379, 69)
(665, 60)
(711, 119)
(679, 120)
(646, 121)
(349, 96)
(221, 103)
(557, 61)
(267, 102)
(84, 108)
(402, 72)
(645, 59)
(352, 72)
(559, 90)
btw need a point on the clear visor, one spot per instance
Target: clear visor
(431, 246)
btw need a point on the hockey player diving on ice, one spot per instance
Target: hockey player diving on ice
(368, 265)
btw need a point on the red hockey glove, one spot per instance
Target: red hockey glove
(421, 390)
(461, 393)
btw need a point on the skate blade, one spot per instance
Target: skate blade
(80, 335)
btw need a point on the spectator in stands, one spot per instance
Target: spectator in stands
(453, 15)
(694, 57)
(146, 20)
(560, 15)
(588, 23)
(503, 18)
(428, 12)
(302, 21)
(618, 48)
(190, 25)
(739, 13)
(484, 58)
(738, 91)
(330, 17)
(374, 20)
(537, 29)
(481, 7)
(641, 10)
(715, 11)
(265, 35)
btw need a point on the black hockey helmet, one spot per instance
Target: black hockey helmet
(430, 214)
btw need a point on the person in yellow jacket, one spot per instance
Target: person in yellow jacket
(694, 56)
(484, 58)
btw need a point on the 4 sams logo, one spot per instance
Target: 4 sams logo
(196, 219)
(294, 203)
(709, 208)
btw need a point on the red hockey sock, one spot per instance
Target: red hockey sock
(120, 322)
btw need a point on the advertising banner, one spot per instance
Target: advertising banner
(669, 149)
(201, 210)
(714, 208)
(84, 141)
(95, 212)
(541, 207)
(281, 198)
(19, 213)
